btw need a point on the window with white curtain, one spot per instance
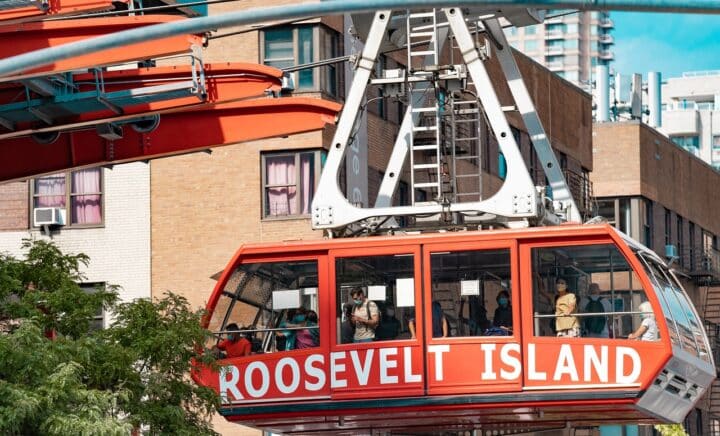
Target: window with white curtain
(78, 192)
(289, 182)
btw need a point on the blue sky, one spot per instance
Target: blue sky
(668, 43)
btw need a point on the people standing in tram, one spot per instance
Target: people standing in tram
(566, 324)
(503, 313)
(439, 322)
(389, 327)
(236, 344)
(308, 337)
(595, 326)
(648, 330)
(293, 318)
(365, 316)
(347, 328)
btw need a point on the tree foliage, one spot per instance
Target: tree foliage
(60, 377)
(671, 429)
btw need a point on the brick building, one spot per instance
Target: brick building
(666, 198)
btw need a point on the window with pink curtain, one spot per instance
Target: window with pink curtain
(86, 197)
(50, 191)
(289, 183)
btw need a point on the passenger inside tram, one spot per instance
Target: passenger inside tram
(595, 303)
(308, 337)
(502, 318)
(365, 316)
(648, 330)
(235, 345)
(389, 327)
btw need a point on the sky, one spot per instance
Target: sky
(668, 43)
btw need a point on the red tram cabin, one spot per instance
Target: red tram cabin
(466, 333)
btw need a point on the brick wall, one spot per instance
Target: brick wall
(14, 206)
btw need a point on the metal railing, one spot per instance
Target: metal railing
(713, 332)
(701, 263)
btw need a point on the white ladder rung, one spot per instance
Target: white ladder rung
(421, 15)
(425, 129)
(419, 34)
(425, 166)
(427, 185)
(425, 147)
(423, 53)
(424, 109)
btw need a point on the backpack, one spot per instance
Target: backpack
(595, 324)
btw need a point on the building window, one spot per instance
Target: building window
(531, 45)
(691, 244)
(380, 67)
(688, 142)
(680, 239)
(668, 227)
(716, 142)
(78, 193)
(289, 182)
(98, 319)
(648, 224)
(531, 30)
(288, 46)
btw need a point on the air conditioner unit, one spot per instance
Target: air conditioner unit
(48, 216)
(670, 251)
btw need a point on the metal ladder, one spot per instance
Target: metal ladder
(465, 150)
(424, 143)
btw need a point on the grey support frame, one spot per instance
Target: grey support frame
(518, 203)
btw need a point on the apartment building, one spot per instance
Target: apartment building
(691, 113)
(665, 197)
(569, 43)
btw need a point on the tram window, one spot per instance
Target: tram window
(471, 291)
(677, 310)
(274, 305)
(598, 293)
(375, 298)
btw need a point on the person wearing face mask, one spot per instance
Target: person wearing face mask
(648, 330)
(503, 313)
(308, 337)
(566, 325)
(365, 316)
(595, 326)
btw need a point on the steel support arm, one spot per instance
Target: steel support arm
(47, 56)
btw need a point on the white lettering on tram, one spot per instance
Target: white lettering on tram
(488, 351)
(362, 371)
(511, 361)
(336, 368)
(533, 373)
(385, 364)
(314, 371)
(438, 350)
(620, 376)
(290, 375)
(295, 380)
(565, 364)
(599, 363)
(407, 360)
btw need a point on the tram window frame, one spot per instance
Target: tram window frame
(342, 292)
(675, 299)
(461, 300)
(620, 322)
(264, 336)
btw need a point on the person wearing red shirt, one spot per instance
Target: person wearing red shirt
(236, 345)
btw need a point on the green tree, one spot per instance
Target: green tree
(60, 377)
(671, 429)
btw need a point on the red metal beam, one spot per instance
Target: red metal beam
(56, 7)
(26, 37)
(224, 83)
(178, 133)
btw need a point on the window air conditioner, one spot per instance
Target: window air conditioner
(48, 216)
(670, 251)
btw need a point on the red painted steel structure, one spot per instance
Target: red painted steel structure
(201, 128)
(55, 8)
(462, 383)
(26, 37)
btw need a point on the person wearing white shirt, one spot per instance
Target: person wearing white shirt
(648, 330)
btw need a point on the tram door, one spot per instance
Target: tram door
(377, 302)
(471, 304)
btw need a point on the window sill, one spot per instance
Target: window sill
(72, 227)
(270, 219)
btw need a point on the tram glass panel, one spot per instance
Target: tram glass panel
(466, 286)
(263, 299)
(603, 291)
(682, 321)
(387, 283)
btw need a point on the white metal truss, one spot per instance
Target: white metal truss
(517, 203)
